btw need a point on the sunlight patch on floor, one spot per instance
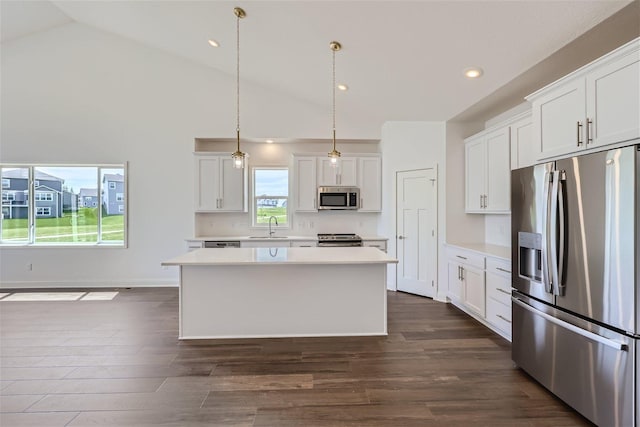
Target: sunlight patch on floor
(58, 296)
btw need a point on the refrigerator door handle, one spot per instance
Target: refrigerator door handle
(558, 285)
(546, 280)
(552, 237)
(566, 325)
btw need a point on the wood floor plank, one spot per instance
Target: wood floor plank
(120, 363)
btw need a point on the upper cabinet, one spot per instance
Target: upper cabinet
(522, 150)
(370, 183)
(344, 173)
(310, 172)
(219, 187)
(487, 171)
(597, 105)
(304, 184)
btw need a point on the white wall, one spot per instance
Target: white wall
(76, 95)
(409, 146)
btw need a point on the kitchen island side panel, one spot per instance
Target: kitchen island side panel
(250, 301)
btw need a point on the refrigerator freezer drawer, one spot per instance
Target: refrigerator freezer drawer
(591, 372)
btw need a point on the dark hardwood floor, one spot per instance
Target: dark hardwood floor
(119, 363)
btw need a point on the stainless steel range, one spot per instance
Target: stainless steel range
(339, 240)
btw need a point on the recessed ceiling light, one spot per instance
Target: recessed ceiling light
(473, 72)
(343, 87)
(269, 141)
(213, 43)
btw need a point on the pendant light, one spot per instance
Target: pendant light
(334, 154)
(238, 157)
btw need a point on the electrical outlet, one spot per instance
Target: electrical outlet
(30, 267)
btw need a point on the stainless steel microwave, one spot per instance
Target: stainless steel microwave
(338, 198)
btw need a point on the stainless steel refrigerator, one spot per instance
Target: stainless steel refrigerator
(575, 255)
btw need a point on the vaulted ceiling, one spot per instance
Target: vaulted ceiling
(402, 60)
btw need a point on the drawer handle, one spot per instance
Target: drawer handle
(504, 318)
(461, 257)
(502, 269)
(503, 291)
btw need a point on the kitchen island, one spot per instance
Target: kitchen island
(282, 292)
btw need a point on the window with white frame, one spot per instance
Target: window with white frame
(50, 218)
(112, 185)
(6, 183)
(119, 197)
(43, 211)
(270, 196)
(42, 196)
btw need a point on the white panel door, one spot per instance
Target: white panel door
(475, 175)
(232, 186)
(498, 172)
(416, 231)
(207, 172)
(613, 101)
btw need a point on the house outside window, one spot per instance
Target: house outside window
(67, 207)
(270, 196)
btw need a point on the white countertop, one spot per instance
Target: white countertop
(267, 238)
(496, 251)
(266, 256)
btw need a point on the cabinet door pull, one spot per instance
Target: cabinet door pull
(588, 130)
(485, 200)
(579, 128)
(504, 270)
(503, 291)
(221, 203)
(503, 318)
(461, 273)
(461, 257)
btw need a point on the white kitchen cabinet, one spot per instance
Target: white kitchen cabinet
(380, 244)
(370, 183)
(304, 243)
(344, 173)
(498, 281)
(466, 280)
(304, 184)
(522, 150)
(219, 187)
(597, 105)
(275, 243)
(192, 245)
(310, 172)
(487, 172)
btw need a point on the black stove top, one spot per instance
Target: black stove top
(344, 239)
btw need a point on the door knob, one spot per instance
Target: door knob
(400, 237)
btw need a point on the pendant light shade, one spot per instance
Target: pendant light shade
(334, 154)
(238, 156)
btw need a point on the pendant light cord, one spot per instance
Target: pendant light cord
(333, 53)
(238, 80)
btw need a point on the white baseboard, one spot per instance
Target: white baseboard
(89, 284)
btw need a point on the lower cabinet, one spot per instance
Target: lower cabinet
(380, 244)
(304, 243)
(499, 295)
(284, 243)
(480, 285)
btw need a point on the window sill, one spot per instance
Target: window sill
(62, 245)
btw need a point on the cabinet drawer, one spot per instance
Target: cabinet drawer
(469, 258)
(499, 266)
(499, 288)
(499, 315)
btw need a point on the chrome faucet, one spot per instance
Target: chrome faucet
(270, 218)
